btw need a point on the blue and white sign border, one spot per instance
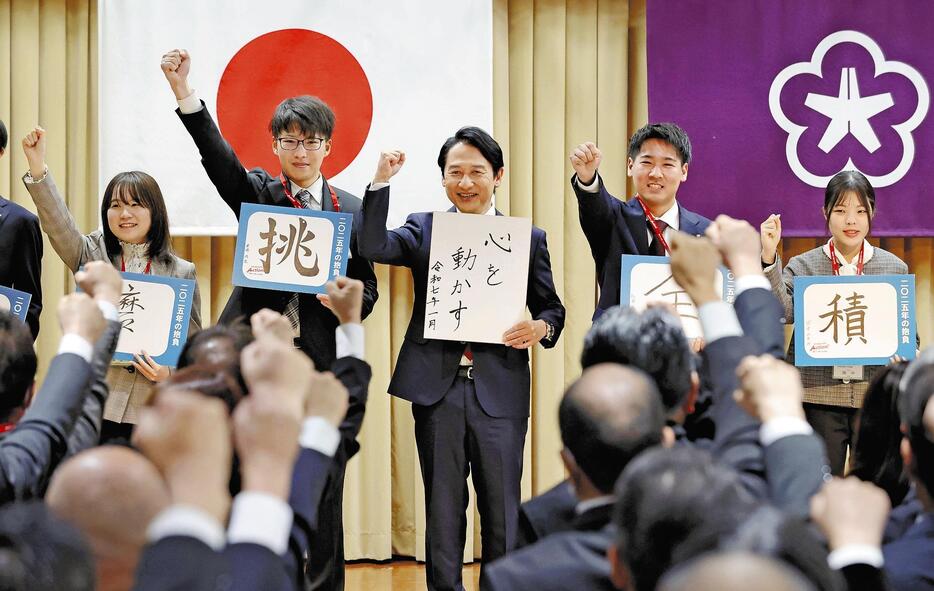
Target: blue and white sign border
(19, 301)
(904, 286)
(184, 290)
(343, 227)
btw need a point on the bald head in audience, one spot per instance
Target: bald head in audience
(733, 571)
(111, 494)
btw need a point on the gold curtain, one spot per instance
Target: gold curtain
(564, 71)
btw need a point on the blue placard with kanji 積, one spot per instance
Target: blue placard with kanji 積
(290, 249)
(154, 312)
(646, 279)
(854, 320)
(15, 302)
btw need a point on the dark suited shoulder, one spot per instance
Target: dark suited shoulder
(909, 560)
(21, 240)
(181, 563)
(548, 513)
(566, 560)
(30, 452)
(692, 223)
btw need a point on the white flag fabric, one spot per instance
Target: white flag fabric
(426, 65)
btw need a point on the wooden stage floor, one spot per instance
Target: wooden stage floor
(399, 575)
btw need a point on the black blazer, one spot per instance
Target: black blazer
(426, 368)
(614, 228)
(21, 260)
(236, 186)
(548, 513)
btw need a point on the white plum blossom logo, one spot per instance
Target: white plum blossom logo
(849, 113)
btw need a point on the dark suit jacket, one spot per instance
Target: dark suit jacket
(614, 228)
(909, 560)
(548, 513)
(760, 315)
(21, 263)
(426, 368)
(236, 186)
(565, 560)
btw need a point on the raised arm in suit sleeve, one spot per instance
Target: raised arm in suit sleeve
(360, 268)
(760, 315)
(598, 211)
(234, 184)
(391, 247)
(541, 297)
(87, 428)
(28, 276)
(30, 452)
(59, 224)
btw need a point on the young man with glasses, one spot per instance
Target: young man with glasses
(301, 137)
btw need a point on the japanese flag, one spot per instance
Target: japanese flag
(398, 75)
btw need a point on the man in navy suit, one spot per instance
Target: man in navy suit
(470, 400)
(21, 245)
(659, 155)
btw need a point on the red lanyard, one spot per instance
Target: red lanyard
(145, 271)
(295, 202)
(659, 235)
(835, 263)
(4, 427)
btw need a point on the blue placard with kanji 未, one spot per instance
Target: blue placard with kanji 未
(154, 312)
(15, 302)
(854, 320)
(291, 249)
(647, 279)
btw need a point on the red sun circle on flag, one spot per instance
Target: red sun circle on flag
(287, 63)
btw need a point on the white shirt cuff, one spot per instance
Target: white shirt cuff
(855, 554)
(593, 187)
(718, 320)
(190, 104)
(262, 519)
(751, 282)
(320, 435)
(351, 341)
(377, 186)
(775, 429)
(73, 343)
(185, 520)
(108, 310)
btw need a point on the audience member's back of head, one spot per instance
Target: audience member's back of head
(663, 496)
(608, 416)
(652, 341)
(214, 381)
(220, 346)
(38, 552)
(17, 364)
(734, 571)
(914, 401)
(876, 457)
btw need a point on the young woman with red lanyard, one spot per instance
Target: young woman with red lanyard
(832, 395)
(134, 237)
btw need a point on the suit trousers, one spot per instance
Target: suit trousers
(455, 436)
(836, 426)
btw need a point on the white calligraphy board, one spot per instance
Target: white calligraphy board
(477, 276)
(15, 302)
(291, 249)
(646, 280)
(854, 320)
(154, 313)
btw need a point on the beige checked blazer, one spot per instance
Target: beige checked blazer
(819, 385)
(128, 389)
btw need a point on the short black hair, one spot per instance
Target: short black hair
(663, 496)
(667, 132)
(201, 348)
(17, 363)
(876, 455)
(480, 140)
(141, 187)
(602, 442)
(850, 181)
(308, 114)
(652, 341)
(915, 398)
(39, 552)
(4, 136)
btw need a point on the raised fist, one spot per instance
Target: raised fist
(585, 159)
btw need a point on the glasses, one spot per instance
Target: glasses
(311, 144)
